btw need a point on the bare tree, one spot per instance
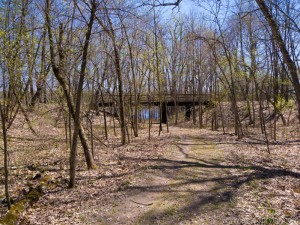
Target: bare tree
(291, 65)
(12, 89)
(107, 24)
(58, 73)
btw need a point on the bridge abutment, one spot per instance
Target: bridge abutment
(164, 116)
(188, 112)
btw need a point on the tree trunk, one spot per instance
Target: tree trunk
(5, 148)
(120, 89)
(291, 65)
(63, 84)
(77, 123)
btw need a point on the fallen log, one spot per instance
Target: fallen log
(14, 214)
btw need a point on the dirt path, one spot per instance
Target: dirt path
(188, 185)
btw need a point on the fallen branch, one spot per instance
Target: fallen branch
(139, 203)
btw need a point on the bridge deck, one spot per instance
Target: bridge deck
(169, 100)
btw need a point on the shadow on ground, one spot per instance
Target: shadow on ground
(198, 185)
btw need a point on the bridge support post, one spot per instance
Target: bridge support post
(164, 117)
(188, 112)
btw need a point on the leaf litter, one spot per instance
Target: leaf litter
(265, 188)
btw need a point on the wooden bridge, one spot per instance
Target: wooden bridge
(187, 100)
(170, 100)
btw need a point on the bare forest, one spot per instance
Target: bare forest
(149, 112)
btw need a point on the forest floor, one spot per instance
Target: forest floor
(188, 184)
(185, 176)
